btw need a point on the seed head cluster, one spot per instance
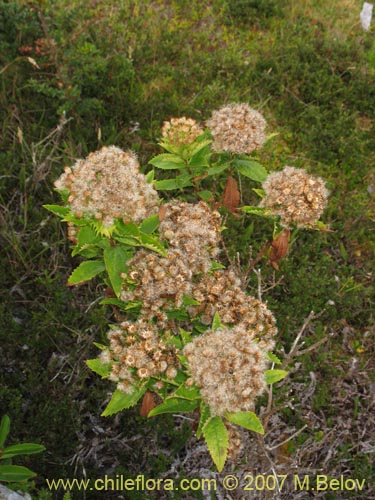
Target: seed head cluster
(194, 229)
(237, 128)
(180, 131)
(159, 283)
(108, 185)
(297, 197)
(220, 292)
(228, 366)
(137, 352)
(235, 446)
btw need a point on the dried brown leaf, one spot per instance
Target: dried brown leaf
(148, 403)
(279, 247)
(162, 212)
(231, 195)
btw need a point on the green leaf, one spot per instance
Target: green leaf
(21, 449)
(218, 168)
(87, 235)
(150, 176)
(150, 224)
(216, 265)
(189, 301)
(186, 392)
(200, 155)
(216, 322)
(4, 430)
(130, 229)
(168, 162)
(125, 306)
(200, 145)
(152, 243)
(115, 263)
(216, 435)
(98, 367)
(263, 212)
(85, 271)
(174, 405)
(127, 240)
(185, 336)
(273, 376)
(246, 419)
(88, 251)
(205, 195)
(174, 340)
(15, 473)
(251, 169)
(204, 416)
(57, 210)
(272, 357)
(100, 346)
(260, 192)
(170, 184)
(120, 400)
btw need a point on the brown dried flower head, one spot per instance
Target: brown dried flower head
(297, 197)
(107, 185)
(194, 229)
(180, 131)
(228, 366)
(160, 284)
(146, 356)
(237, 128)
(220, 292)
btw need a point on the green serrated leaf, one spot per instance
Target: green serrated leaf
(216, 322)
(174, 340)
(251, 169)
(273, 376)
(4, 430)
(170, 184)
(87, 236)
(205, 195)
(98, 367)
(130, 241)
(152, 243)
(217, 169)
(174, 405)
(15, 473)
(150, 176)
(185, 392)
(216, 435)
(246, 419)
(130, 229)
(272, 357)
(115, 263)
(204, 416)
(165, 144)
(88, 251)
(216, 265)
(150, 224)
(57, 210)
(260, 192)
(168, 161)
(263, 212)
(86, 271)
(185, 336)
(120, 400)
(21, 449)
(189, 301)
(199, 145)
(125, 306)
(100, 346)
